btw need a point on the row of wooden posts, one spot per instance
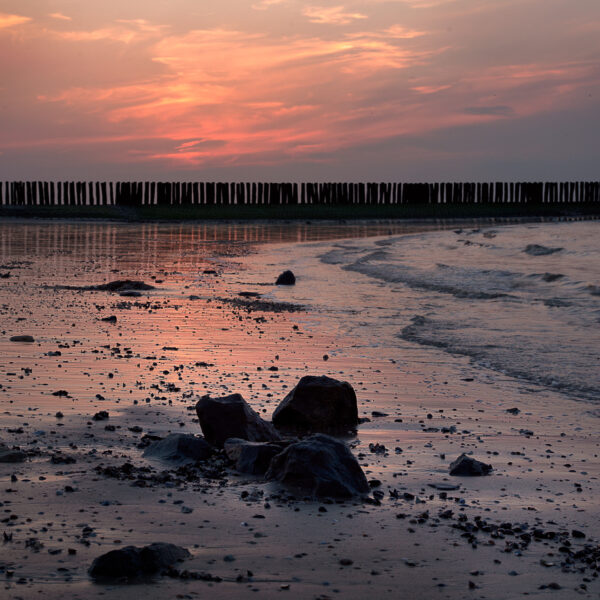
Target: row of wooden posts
(127, 193)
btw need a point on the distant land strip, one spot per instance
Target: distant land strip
(201, 199)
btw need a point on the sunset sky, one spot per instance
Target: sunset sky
(401, 90)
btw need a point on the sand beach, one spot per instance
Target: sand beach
(460, 337)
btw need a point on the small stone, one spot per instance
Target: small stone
(465, 465)
(286, 278)
(8, 455)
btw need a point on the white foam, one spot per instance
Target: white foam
(479, 293)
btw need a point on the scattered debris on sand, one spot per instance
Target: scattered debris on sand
(119, 285)
(266, 306)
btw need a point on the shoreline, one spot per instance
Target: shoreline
(299, 212)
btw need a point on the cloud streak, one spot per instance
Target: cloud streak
(7, 20)
(331, 15)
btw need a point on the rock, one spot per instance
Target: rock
(101, 416)
(58, 458)
(513, 411)
(130, 294)
(121, 285)
(537, 250)
(111, 319)
(444, 487)
(465, 465)
(320, 466)
(22, 338)
(550, 277)
(131, 562)
(318, 404)
(252, 457)
(377, 413)
(7, 455)
(286, 278)
(232, 417)
(181, 448)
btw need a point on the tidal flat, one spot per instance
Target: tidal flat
(462, 337)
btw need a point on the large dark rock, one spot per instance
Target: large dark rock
(286, 278)
(181, 448)
(252, 457)
(232, 417)
(22, 338)
(131, 562)
(8, 455)
(122, 285)
(318, 404)
(537, 250)
(465, 465)
(320, 466)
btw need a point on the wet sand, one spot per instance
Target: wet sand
(193, 335)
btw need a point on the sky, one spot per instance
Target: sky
(287, 90)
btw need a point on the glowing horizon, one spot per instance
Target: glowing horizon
(272, 89)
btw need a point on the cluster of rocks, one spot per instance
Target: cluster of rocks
(298, 448)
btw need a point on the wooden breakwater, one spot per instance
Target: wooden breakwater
(201, 193)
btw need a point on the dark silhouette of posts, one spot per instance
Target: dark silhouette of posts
(138, 193)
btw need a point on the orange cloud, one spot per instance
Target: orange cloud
(60, 17)
(264, 4)
(430, 89)
(331, 15)
(125, 31)
(12, 20)
(399, 32)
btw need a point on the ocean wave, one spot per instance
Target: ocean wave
(523, 300)
(573, 379)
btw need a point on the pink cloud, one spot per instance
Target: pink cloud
(60, 16)
(331, 15)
